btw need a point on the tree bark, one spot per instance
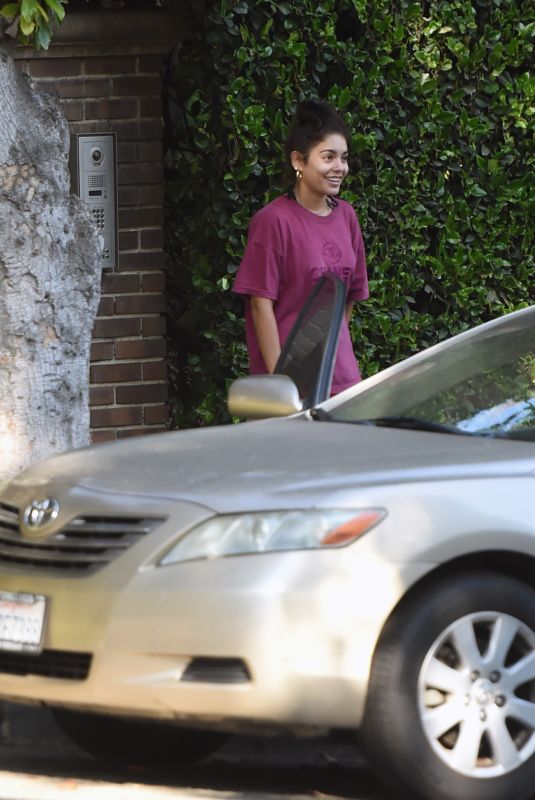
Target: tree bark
(49, 279)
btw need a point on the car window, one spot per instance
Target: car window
(498, 399)
(479, 382)
(309, 352)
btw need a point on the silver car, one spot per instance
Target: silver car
(366, 563)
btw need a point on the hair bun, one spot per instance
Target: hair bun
(313, 113)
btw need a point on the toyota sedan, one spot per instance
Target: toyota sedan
(364, 563)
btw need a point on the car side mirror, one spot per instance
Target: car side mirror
(261, 396)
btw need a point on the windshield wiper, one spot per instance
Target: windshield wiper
(407, 423)
(418, 424)
(412, 424)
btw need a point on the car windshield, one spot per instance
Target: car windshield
(480, 382)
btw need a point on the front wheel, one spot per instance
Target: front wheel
(451, 705)
(128, 741)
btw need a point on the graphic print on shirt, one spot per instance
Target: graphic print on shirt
(343, 271)
(331, 253)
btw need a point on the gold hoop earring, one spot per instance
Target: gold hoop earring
(298, 174)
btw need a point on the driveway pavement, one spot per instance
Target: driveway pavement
(38, 762)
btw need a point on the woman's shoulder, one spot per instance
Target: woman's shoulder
(271, 217)
(276, 209)
(348, 213)
(346, 208)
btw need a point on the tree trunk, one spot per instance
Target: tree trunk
(49, 279)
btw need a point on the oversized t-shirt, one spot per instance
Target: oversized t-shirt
(288, 249)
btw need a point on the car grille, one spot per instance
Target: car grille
(217, 670)
(84, 545)
(50, 663)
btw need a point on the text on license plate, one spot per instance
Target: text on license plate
(22, 617)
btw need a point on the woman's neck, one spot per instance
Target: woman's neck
(317, 204)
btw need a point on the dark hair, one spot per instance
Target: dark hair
(313, 121)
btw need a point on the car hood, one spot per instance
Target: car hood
(257, 464)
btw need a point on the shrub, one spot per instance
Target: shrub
(440, 101)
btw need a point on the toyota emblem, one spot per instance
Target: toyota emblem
(39, 514)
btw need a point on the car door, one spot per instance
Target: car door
(309, 352)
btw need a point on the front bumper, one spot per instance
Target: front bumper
(304, 624)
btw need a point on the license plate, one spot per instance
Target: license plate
(22, 620)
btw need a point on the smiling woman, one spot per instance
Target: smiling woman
(296, 238)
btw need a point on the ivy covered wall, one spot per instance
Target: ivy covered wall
(440, 100)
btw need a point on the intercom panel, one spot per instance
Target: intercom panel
(94, 179)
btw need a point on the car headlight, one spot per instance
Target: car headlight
(264, 532)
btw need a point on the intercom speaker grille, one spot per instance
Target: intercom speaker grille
(96, 181)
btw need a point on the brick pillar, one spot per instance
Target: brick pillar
(106, 68)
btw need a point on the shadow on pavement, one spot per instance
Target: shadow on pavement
(33, 743)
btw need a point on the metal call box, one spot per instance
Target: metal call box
(93, 165)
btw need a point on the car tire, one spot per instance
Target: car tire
(129, 741)
(450, 713)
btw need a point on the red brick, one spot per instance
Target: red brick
(150, 107)
(155, 371)
(140, 304)
(153, 282)
(150, 151)
(127, 152)
(126, 433)
(110, 65)
(97, 437)
(101, 351)
(112, 417)
(137, 218)
(137, 86)
(23, 64)
(73, 111)
(146, 393)
(111, 109)
(147, 260)
(91, 127)
(150, 63)
(154, 326)
(112, 283)
(150, 129)
(116, 373)
(55, 67)
(112, 328)
(101, 395)
(128, 196)
(128, 240)
(140, 173)
(150, 195)
(82, 87)
(156, 414)
(127, 131)
(106, 307)
(152, 239)
(141, 348)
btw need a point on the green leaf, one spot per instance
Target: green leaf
(10, 10)
(28, 9)
(27, 26)
(42, 38)
(344, 98)
(57, 8)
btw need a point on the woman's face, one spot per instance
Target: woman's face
(325, 167)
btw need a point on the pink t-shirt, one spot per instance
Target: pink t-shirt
(288, 249)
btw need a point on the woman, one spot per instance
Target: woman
(297, 237)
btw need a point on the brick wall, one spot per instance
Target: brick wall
(115, 86)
